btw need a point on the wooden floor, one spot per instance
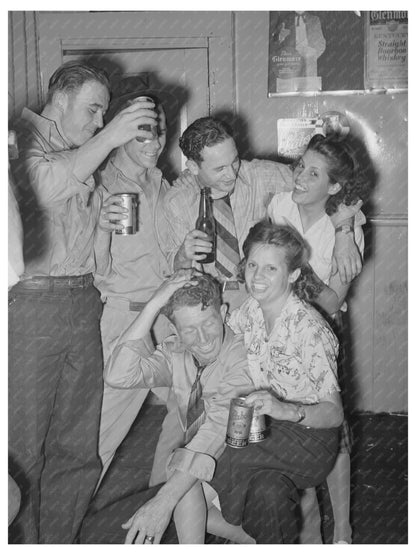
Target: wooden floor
(379, 474)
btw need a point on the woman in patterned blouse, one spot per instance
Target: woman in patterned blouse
(292, 355)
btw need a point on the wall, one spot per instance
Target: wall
(378, 299)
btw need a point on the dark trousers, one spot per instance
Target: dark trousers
(55, 395)
(102, 525)
(258, 485)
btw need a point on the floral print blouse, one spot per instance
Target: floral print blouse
(298, 361)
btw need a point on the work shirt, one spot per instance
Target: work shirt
(133, 365)
(59, 212)
(137, 263)
(320, 236)
(15, 238)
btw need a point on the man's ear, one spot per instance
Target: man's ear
(60, 100)
(223, 311)
(192, 166)
(294, 275)
(334, 189)
(172, 327)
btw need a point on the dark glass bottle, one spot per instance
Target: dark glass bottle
(206, 223)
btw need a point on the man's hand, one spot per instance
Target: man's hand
(195, 246)
(346, 259)
(187, 180)
(124, 126)
(151, 519)
(111, 214)
(164, 292)
(346, 214)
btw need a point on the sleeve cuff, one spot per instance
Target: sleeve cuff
(360, 219)
(199, 465)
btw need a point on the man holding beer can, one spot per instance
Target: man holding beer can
(55, 369)
(136, 265)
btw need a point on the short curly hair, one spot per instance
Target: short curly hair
(203, 132)
(297, 254)
(343, 167)
(206, 292)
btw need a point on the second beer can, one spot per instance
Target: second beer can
(239, 422)
(130, 225)
(258, 429)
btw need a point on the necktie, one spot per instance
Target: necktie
(195, 414)
(228, 253)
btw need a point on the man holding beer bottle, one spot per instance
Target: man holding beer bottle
(240, 191)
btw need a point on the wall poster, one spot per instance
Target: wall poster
(386, 50)
(316, 51)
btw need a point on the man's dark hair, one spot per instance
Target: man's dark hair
(201, 133)
(206, 292)
(70, 77)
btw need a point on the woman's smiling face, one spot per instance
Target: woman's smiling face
(266, 274)
(311, 182)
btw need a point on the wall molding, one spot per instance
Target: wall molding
(391, 220)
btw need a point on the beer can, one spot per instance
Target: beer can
(258, 429)
(239, 422)
(130, 225)
(145, 126)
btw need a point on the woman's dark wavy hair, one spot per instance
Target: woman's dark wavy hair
(206, 292)
(343, 168)
(70, 77)
(297, 254)
(201, 133)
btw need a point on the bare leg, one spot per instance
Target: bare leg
(190, 516)
(217, 525)
(339, 491)
(311, 518)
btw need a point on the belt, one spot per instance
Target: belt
(230, 286)
(124, 304)
(50, 283)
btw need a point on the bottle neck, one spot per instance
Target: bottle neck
(205, 202)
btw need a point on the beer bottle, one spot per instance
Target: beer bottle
(206, 222)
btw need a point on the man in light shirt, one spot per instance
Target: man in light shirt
(213, 161)
(203, 350)
(55, 364)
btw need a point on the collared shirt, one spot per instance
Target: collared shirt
(15, 238)
(320, 236)
(299, 358)
(256, 183)
(131, 365)
(59, 212)
(137, 264)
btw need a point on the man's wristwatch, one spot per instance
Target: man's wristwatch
(344, 228)
(301, 413)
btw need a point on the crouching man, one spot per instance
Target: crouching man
(194, 363)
